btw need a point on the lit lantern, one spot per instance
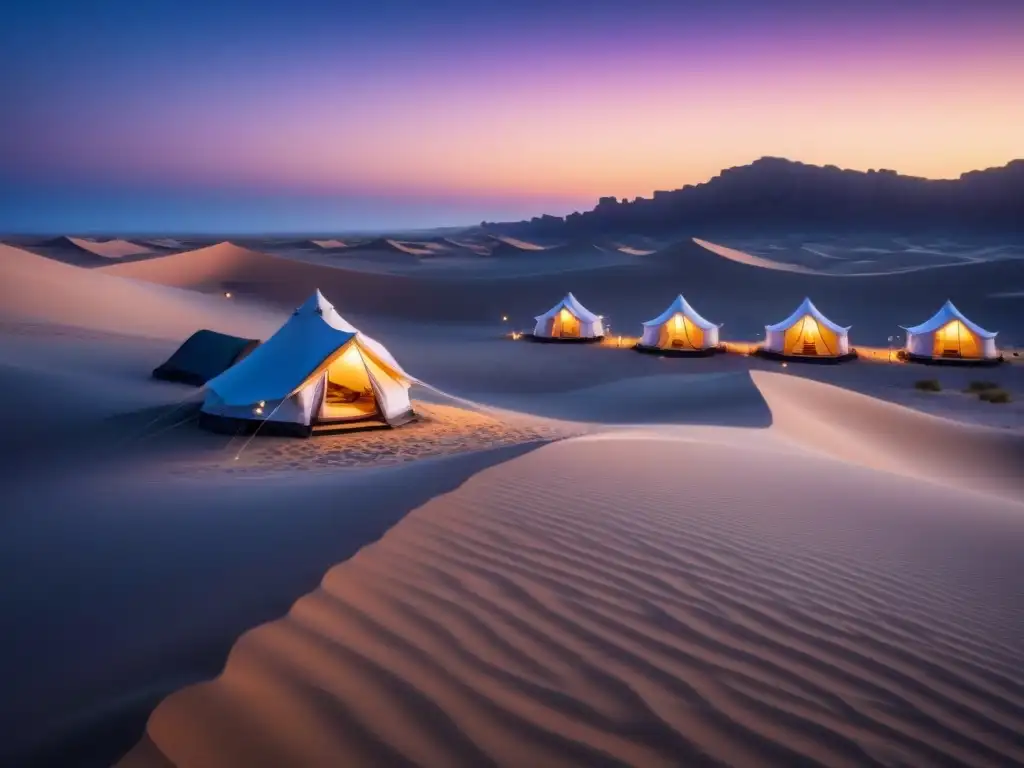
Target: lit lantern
(258, 411)
(227, 294)
(504, 318)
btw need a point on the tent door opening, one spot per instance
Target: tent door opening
(807, 338)
(680, 333)
(349, 394)
(955, 340)
(565, 325)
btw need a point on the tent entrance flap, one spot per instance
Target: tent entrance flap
(809, 338)
(680, 332)
(955, 339)
(565, 325)
(348, 392)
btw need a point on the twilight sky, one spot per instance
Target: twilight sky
(317, 116)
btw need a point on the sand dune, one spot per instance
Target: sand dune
(79, 251)
(168, 243)
(888, 437)
(628, 249)
(741, 257)
(110, 249)
(207, 267)
(642, 598)
(329, 244)
(522, 245)
(35, 289)
(743, 296)
(907, 260)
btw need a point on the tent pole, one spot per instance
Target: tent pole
(369, 378)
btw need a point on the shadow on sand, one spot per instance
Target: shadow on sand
(118, 574)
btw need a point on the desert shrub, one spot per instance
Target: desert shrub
(981, 386)
(994, 396)
(928, 385)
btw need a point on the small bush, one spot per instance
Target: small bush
(994, 396)
(981, 386)
(928, 385)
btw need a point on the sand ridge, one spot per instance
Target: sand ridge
(110, 249)
(565, 608)
(41, 289)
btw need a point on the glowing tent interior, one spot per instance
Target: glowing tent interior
(317, 373)
(568, 320)
(679, 328)
(948, 334)
(807, 333)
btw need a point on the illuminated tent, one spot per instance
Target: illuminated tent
(807, 333)
(568, 320)
(950, 335)
(316, 373)
(680, 327)
(204, 354)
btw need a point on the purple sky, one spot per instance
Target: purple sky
(316, 116)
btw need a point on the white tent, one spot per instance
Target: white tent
(569, 319)
(680, 327)
(315, 371)
(807, 333)
(949, 334)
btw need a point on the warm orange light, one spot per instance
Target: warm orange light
(566, 316)
(679, 322)
(950, 330)
(810, 327)
(504, 318)
(227, 294)
(258, 411)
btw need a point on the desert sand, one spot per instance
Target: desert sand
(579, 556)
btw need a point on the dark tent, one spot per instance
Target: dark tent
(204, 354)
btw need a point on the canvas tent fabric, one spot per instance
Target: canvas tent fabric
(950, 334)
(807, 333)
(204, 354)
(680, 327)
(569, 319)
(316, 370)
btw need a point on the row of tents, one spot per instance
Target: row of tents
(318, 373)
(806, 334)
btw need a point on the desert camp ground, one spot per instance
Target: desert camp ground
(574, 555)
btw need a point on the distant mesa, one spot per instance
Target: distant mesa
(777, 194)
